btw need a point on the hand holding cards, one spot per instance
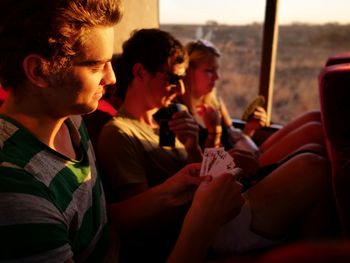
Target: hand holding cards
(216, 161)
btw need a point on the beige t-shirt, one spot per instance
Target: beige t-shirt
(129, 152)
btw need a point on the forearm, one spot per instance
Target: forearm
(214, 137)
(213, 140)
(194, 240)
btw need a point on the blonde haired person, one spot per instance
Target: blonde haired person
(302, 133)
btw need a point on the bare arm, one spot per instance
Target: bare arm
(215, 203)
(142, 210)
(212, 121)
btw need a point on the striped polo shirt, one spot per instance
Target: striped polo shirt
(52, 208)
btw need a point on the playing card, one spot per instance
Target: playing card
(209, 157)
(217, 155)
(216, 161)
(204, 165)
(226, 165)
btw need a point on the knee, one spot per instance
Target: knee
(312, 116)
(313, 160)
(315, 148)
(316, 167)
(314, 130)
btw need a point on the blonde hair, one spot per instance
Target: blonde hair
(198, 52)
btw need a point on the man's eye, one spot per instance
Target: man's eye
(95, 68)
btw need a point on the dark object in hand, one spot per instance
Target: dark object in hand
(162, 117)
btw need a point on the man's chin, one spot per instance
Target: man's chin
(86, 109)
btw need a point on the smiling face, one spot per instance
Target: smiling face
(78, 89)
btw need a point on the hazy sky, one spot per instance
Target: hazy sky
(248, 11)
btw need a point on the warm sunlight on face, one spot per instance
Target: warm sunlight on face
(166, 85)
(205, 76)
(82, 86)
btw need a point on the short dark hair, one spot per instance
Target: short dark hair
(54, 29)
(150, 47)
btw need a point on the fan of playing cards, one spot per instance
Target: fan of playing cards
(216, 161)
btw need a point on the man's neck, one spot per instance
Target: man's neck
(48, 130)
(136, 106)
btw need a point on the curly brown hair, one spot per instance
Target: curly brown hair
(54, 29)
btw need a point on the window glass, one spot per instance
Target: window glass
(309, 32)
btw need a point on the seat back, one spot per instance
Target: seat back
(94, 121)
(3, 95)
(339, 58)
(334, 90)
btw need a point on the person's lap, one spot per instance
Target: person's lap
(276, 205)
(283, 197)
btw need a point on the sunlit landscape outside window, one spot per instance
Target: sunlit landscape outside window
(309, 32)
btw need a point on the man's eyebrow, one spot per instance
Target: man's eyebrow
(91, 62)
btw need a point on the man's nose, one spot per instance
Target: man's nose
(109, 76)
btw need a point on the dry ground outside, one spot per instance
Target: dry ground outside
(301, 54)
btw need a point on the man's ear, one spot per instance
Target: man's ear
(36, 70)
(138, 71)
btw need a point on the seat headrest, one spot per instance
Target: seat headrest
(339, 58)
(334, 90)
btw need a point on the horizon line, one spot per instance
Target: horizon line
(215, 23)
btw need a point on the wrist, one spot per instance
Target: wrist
(213, 140)
(216, 130)
(214, 133)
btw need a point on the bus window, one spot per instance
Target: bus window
(303, 47)
(238, 36)
(308, 34)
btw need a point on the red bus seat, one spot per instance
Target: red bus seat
(339, 58)
(3, 95)
(334, 90)
(94, 121)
